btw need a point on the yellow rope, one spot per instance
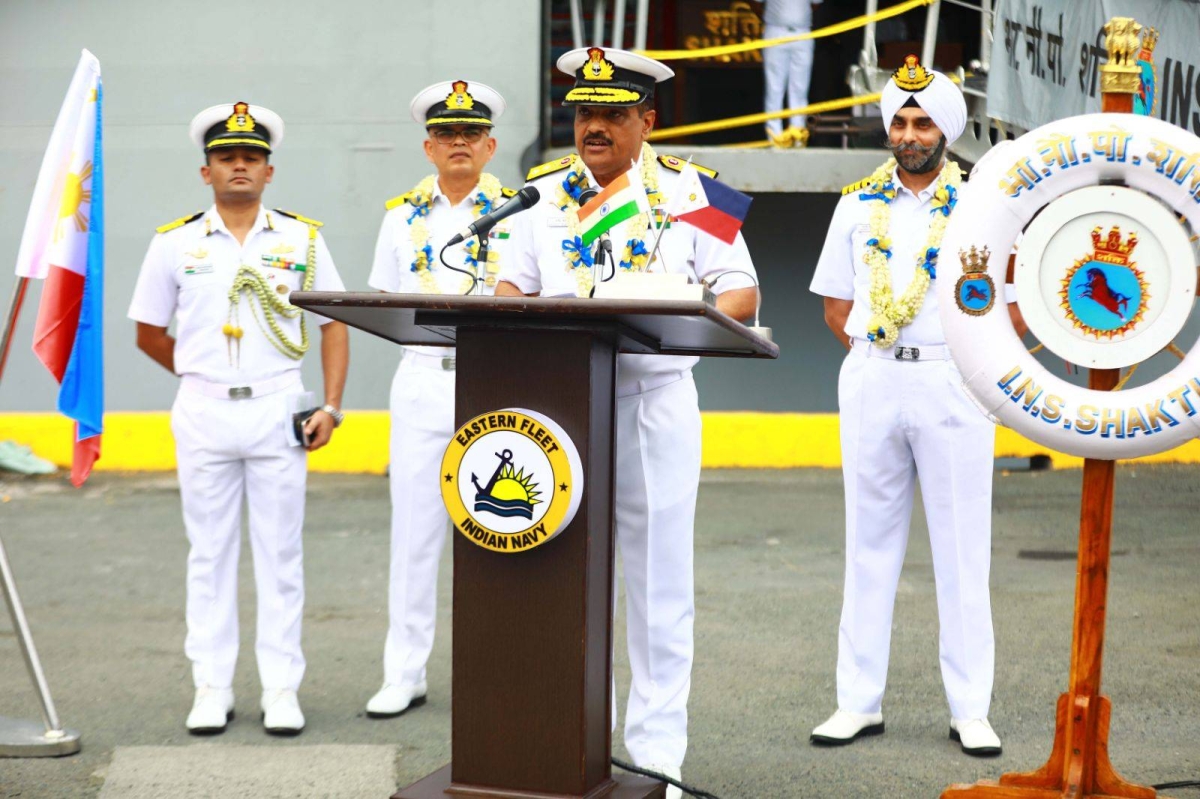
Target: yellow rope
(1037, 349)
(751, 119)
(1121, 383)
(1178, 353)
(758, 44)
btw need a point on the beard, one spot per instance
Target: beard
(917, 159)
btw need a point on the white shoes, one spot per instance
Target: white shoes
(843, 728)
(668, 771)
(976, 736)
(393, 700)
(211, 710)
(281, 712)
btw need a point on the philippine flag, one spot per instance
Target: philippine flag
(63, 244)
(709, 204)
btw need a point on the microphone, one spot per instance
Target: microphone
(524, 199)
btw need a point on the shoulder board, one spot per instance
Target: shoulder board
(180, 222)
(853, 187)
(508, 192)
(548, 168)
(396, 202)
(299, 218)
(677, 165)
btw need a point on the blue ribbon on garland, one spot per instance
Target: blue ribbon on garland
(578, 253)
(482, 204)
(948, 206)
(880, 333)
(875, 243)
(419, 210)
(930, 262)
(428, 251)
(886, 193)
(636, 247)
(573, 184)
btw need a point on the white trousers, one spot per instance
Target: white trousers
(901, 420)
(229, 451)
(422, 415)
(786, 68)
(658, 475)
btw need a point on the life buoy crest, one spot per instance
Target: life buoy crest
(1105, 277)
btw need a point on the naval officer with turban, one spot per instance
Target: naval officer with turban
(904, 414)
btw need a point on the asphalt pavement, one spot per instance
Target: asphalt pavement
(101, 574)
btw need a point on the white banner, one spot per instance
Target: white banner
(1047, 53)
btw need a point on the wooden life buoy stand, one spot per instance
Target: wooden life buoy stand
(1079, 765)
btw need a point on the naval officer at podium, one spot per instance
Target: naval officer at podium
(658, 418)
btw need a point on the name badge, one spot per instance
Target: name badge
(556, 221)
(198, 269)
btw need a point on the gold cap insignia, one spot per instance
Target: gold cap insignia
(458, 96)
(240, 120)
(597, 67)
(912, 77)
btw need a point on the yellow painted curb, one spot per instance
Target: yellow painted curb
(136, 441)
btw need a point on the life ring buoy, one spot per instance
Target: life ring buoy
(1105, 186)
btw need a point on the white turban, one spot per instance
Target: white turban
(937, 95)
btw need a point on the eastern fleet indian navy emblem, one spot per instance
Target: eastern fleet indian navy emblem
(975, 293)
(511, 479)
(1104, 294)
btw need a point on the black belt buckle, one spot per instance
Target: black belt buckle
(908, 353)
(240, 392)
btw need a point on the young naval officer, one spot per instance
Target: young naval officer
(224, 276)
(904, 414)
(458, 117)
(658, 419)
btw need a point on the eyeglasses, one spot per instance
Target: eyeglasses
(449, 136)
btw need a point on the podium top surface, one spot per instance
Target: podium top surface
(657, 327)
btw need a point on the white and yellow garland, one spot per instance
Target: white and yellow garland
(578, 257)
(888, 314)
(421, 199)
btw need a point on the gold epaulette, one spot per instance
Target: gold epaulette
(677, 165)
(396, 202)
(299, 218)
(549, 167)
(508, 192)
(862, 184)
(180, 222)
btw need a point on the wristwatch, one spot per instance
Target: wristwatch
(337, 415)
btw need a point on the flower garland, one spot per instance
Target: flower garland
(579, 258)
(888, 314)
(421, 200)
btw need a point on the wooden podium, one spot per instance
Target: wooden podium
(532, 641)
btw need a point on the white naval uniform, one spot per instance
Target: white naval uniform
(787, 67)
(422, 422)
(901, 419)
(230, 448)
(657, 464)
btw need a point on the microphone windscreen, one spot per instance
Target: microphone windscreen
(529, 196)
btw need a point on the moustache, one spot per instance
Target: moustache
(597, 140)
(912, 148)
